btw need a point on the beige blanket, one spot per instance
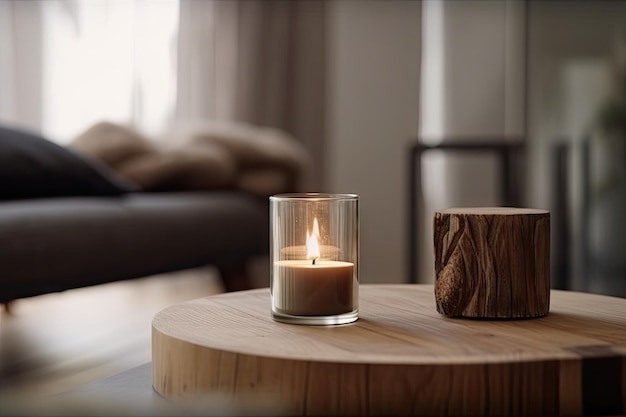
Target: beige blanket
(259, 160)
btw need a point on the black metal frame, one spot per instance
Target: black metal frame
(564, 151)
(561, 270)
(507, 149)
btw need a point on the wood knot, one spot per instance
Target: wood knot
(451, 293)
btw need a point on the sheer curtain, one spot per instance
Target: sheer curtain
(21, 63)
(68, 64)
(152, 64)
(261, 62)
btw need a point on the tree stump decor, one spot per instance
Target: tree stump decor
(492, 262)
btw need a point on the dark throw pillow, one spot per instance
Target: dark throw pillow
(33, 167)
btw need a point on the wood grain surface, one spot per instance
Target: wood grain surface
(492, 262)
(400, 358)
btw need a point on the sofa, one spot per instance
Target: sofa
(70, 217)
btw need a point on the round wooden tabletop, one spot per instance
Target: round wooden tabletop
(400, 357)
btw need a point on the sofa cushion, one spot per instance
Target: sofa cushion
(113, 144)
(187, 168)
(32, 167)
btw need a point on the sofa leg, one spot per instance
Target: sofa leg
(234, 276)
(7, 308)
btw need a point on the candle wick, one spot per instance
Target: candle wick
(314, 261)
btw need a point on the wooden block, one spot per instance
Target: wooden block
(492, 262)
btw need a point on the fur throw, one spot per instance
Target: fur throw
(259, 160)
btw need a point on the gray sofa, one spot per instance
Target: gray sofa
(66, 222)
(55, 244)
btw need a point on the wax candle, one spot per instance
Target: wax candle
(314, 249)
(305, 288)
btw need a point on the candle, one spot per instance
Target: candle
(313, 286)
(314, 264)
(322, 288)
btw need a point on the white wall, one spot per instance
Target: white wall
(374, 99)
(373, 96)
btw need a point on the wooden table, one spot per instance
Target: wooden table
(401, 357)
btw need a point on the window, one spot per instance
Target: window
(108, 60)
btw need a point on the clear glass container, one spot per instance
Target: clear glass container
(314, 255)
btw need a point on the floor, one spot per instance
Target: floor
(56, 342)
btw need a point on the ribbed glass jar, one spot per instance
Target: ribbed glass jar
(314, 255)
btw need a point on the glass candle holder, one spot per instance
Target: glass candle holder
(314, 253)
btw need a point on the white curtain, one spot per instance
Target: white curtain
(261, 62)
(21, 63)
(68, 64)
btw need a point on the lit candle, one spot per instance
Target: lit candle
(300, 252)
(315, 286)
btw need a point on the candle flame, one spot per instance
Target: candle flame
(312, 243)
